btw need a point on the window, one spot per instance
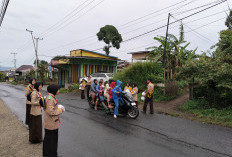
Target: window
(98, 75)
(110, 75)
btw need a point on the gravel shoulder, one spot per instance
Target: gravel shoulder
(14, 137)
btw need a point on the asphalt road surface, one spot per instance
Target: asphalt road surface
(88, 133)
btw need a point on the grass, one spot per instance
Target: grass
(64, 90)
(204, 113)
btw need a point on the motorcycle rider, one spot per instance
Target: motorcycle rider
(93, 91)
(117, 96)
(100, 90)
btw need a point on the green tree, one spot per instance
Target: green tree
(42, 72)
(228, 22)
(41, 62)
(31, 74)
(176, 53)
(110, 35)
(2, 77)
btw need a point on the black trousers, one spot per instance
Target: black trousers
(28, 110)
(50, 143)
(150, 101)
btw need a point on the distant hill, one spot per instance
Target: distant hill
(4, 68)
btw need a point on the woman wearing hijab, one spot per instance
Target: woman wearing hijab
(51, 121)
(29, 90)
(135, 93)
(128, 87)
(35, 129)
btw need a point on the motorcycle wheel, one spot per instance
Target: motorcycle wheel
(133, 112)
(90, 103)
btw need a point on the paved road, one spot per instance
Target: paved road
(86, 133)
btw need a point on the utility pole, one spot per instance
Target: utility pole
(165, 46)
(14, 59)
(36, 49)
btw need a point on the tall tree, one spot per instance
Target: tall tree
(228, 22)
(110, 35)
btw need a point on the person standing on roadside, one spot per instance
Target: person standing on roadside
(128, 87)
(29, 90)
(149, 97)
(35, 129)
(134, 93)
(51, 121)
(83, 85)
(88, 86)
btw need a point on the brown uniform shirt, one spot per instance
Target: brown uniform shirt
(150, 90)
(51, 113)
(135, 93)
(28, 90)
(35, 106)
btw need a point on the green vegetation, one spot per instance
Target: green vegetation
(110, 35)
(2, 77)
(205, 113)
(139, 73)
(213, 73)
(70, 89)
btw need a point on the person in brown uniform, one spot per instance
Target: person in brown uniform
(35, 129)
(149, 97)
(134, 93)
(51, 121)
(29, 90)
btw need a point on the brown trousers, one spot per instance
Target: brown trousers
(35, 129)
(28, 110)
(150, 101)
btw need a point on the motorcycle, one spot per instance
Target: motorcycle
(127, 106)
(101, 105)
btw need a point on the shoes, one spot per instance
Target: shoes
(143, 112)
(151, 112)
(115, 116)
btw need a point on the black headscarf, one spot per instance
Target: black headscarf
(37, 84)
(53, 88)
(31, 80)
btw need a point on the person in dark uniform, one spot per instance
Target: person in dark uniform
(29, 90)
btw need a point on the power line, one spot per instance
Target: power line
(195, 31)
(174, 21)
(4, 11)
(69, 14)
(78, 17)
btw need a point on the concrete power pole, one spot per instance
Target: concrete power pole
(14, 59)
(36, 49)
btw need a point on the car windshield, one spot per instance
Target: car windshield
(109, 75)
(98, 75)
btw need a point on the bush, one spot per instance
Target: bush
(214, 77)
(73, 87)
(139, 73)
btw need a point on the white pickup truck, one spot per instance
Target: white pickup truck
(98, 76)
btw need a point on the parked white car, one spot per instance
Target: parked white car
(98, 76)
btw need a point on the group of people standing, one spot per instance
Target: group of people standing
(34, 105)
(111, 90)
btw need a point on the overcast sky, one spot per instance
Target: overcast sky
(80, 24)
